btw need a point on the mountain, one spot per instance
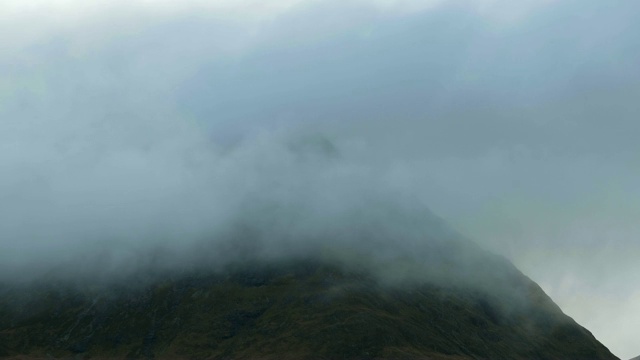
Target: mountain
(303, 309)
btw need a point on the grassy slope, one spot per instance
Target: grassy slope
(296, 311)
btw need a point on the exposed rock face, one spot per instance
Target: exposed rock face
(302, 310)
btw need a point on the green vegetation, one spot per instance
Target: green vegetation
(296, 311)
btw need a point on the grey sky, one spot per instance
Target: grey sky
(516, 123)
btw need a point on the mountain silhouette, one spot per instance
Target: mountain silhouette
(291, 309)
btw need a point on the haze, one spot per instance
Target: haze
(128, 126)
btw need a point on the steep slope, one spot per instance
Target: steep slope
(297, 310)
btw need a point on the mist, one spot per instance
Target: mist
(135, 135)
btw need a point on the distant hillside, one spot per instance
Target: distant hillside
(301, 310)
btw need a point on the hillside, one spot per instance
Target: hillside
(296, 310)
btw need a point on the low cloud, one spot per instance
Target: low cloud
(129, 129)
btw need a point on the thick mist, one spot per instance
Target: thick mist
(102, 208)
(140, 136)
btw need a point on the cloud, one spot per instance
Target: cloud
(127, 125)
(71, 18)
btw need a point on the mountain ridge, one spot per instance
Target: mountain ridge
(305, 309)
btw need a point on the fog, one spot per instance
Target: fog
(129, 129)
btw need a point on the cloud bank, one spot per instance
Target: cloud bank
(131, 126)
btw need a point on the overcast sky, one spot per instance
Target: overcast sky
(514, 121)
